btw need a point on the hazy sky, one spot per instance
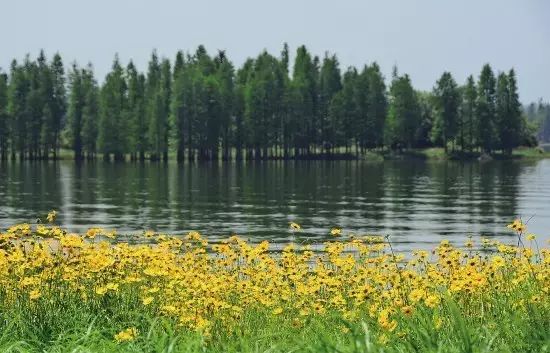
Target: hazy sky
(423, 38)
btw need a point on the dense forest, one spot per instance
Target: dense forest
(200, 107)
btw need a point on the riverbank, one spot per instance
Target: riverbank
(182, 294)
(438, 153)
(432, 153)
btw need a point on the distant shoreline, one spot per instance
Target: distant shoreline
(430, 153)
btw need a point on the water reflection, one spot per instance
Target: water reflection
(416, 202)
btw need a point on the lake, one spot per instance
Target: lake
(419, 203)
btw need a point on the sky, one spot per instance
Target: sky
(423, 38)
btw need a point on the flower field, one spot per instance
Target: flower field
(63, 292)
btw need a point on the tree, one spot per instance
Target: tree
(508, 112)
(241, 134)
(363, 122)
(76, 107)
(137, 123)
(303, 110)
(330, 83)
(225, 77)
(58, 104)
(468, 123)
(343, 112)
(18, 91)
(153, 103)
(446, 99)
(112, 137)
(263, 97)
(90, 112)
(377, 105)
(403, 115)
(485, 110)
(4, 117)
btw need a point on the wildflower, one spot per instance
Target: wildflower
(92, 232)
(129, 334)
(34, 294)
(336, 232)
(111, 234)
(531, 236)
(277, 311)
(438, 323)
(407, 310)
(112, 286)
(498, 261)
(295, 226)
(432, 301)
(51, 216)
(101, 290)
(518, 226)
(147, 300)
(416, 295)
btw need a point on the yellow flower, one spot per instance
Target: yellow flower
(277, 311)
(112, 286)
(35, 294)
(498, 261)
(101, 290)
(111, 234)
(92, 232)
(407, 310)
(531, 236)
(518, 226)
(147, 301)
(295, 226)
(335, 232)
(129, 334)
(432, 301)
(416, 295)
(51, 216)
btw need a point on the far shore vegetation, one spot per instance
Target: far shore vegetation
(201, 107)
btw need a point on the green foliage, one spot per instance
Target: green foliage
(404, 114)
(486, 110)
(446, 104)
(113, 137)
(204, 108)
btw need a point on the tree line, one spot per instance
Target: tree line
(539, 115)
(200, 107)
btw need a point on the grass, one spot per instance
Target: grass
(63, 292)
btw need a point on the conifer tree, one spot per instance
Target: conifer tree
(377, 106)
(403, 115)
(508, 112)
(330, 83)
(485, 110)
(76, 107)
(90, 112)
(4, 117)
(468, 123)
(446, 99)
(112, 138)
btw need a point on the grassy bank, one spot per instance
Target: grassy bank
(431, 153)
(65, 292)
(438, 153)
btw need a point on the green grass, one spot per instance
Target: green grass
(73, 328)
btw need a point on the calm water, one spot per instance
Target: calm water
(417, 202)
